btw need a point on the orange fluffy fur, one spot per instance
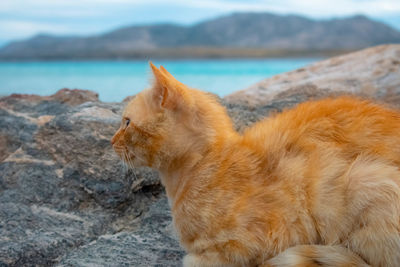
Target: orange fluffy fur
(317, 185)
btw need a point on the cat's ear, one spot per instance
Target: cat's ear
(163, 70)
(167, 91)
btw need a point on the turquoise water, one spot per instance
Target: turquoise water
(114, 80)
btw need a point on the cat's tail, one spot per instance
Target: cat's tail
(316, 255)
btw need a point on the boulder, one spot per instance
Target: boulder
(61, 185)
(74, 97)
(372, 72)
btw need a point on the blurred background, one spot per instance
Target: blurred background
(66, 199)
(219, 46)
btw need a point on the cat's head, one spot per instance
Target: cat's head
(167, 122)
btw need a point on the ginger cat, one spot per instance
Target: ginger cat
(317, 185)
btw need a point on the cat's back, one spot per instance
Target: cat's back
(352, 124)
(338, 160)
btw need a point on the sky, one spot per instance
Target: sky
(21, 19)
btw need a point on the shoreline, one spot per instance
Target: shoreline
(190, 53)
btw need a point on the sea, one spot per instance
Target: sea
(115, 80)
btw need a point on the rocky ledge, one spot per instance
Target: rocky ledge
(67, 200)
(372, 72)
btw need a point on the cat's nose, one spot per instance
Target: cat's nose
(113, 139)
(116, 137)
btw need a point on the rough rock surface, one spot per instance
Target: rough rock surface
(373, 72)
(67, 200)
(61, 185)
(152, 244)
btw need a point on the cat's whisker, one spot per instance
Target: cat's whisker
(125, 160)
(136, 156)
(131, 164)
(134, 174)
(120, 153)
(129, 161)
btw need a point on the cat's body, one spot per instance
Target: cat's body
(315, 185)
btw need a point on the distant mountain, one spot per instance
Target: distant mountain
(239, 34)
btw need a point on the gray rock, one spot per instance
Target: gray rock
(152, 244)
(61, 185)
(373, 73)
(67, 200)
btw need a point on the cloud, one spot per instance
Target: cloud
(307, 7)
(316, 8)
(17, 29)
(23, 18)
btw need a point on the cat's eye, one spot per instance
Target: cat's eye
(127, 121)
